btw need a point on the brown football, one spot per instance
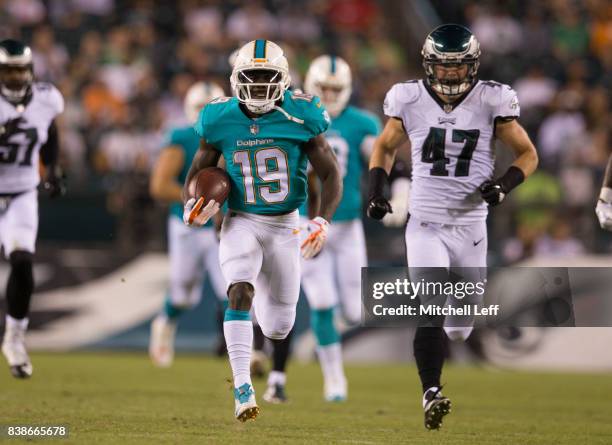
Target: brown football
(211, 183)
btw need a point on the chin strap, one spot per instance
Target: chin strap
(288, 116)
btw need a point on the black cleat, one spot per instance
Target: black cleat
(436, 407)
(275, 394)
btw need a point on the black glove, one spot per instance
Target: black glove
(378, 207)
(492, 192)
(378, 204)
(54, 184)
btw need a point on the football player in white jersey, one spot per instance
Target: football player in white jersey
(188, 263)
(450, 120)
(28, 135)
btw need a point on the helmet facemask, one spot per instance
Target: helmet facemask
(451, 86)
(15, 82)
(333, 96)
(259, 88)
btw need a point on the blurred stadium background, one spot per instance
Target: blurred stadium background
(124, 66)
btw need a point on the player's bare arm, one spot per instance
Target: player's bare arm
(325, 166)
(514, 136)
(314, 194)
(381, 162)
(195, 212)
(604, 203)
(163, 185)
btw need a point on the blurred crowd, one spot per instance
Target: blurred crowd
(125, 65)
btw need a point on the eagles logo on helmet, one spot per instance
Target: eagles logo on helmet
(451, 46)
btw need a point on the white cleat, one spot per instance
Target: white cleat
(13, 348)
(335, 390)
(161, 343)
(246, 405)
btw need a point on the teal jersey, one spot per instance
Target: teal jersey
(263, 156)
(345, 136)
(188, 141)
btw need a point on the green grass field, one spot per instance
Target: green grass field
(122, 398)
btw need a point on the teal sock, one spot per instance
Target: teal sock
(237, 315)
(171, 311)
(322, 323)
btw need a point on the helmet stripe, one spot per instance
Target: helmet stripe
(333, 65)
(260, 49)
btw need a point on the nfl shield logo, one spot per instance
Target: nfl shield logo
(254, 129)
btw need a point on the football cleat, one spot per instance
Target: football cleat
(335, 390)
(275, 394)
(436, 406)
(246, 406)
(13, 348)
(161, 342)
(258, 364)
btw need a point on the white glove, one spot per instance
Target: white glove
(400, 199)
(196, 214)
(604, 208)
(315, 234)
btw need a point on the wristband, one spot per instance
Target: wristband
(511, 179)
(378, 182)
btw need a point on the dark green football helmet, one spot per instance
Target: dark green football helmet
(451, 45)
(16, 70)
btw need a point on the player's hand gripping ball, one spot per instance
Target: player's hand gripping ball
(208, 190)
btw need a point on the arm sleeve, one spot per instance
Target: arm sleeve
(507, 107)
(49, 152)
(391, 105)
(56, 99)
(200, 125)
(318, 120)
(171, 138)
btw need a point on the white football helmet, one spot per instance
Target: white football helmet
(256, 60)
(331, 72)
(198, 95)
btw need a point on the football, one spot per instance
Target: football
(211, 183)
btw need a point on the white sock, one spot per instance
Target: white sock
(277, 378)
(239, 340)
(330, 357)
(13, 323)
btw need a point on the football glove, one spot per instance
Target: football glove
(400, 198)
(54, 184)
(604, 208)
(492, 192)
(315, 234)
(378, 207)
(198, 214)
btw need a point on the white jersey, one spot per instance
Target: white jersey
(452, 146)
(23, 130)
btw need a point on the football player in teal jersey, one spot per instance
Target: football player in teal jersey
(266, 136)
(333, 278)
(193, 252)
